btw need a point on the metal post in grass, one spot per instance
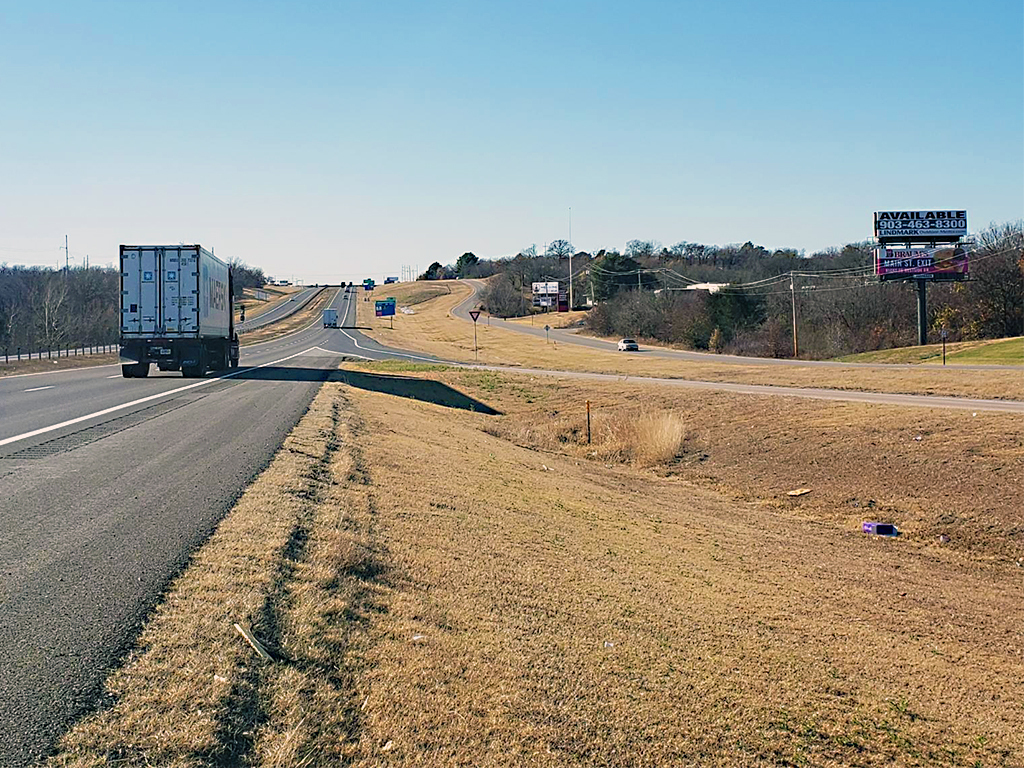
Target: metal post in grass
(588, 422)
(475, 314)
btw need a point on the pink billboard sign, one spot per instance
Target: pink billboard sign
(949, 262)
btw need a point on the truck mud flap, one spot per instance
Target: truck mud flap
(130, 355)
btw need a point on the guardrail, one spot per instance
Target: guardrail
(48, 353)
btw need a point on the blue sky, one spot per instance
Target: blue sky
(335, 140)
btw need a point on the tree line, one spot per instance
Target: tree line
(841, 308)
(46, 308)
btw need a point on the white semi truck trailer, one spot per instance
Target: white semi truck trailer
(176, 311)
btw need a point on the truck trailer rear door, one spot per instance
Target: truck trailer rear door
(179, 292)
(140, 270)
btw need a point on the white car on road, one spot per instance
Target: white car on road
(628, 345)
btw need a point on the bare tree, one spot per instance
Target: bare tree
(559, 249)
(642, 249)
(998, 275)
(501, 298)
(48, 304)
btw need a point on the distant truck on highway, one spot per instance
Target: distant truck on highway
(176, 311)
(330, 318)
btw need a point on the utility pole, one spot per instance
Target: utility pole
(792, 293)
(570, 259)
(66, 258)
(522, 288)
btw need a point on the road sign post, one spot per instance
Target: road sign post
(386, 308)
(546, 329)
(475, 314)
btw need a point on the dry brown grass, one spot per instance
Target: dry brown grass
(646, 438)
(640, 436)
(553, 319)
(958, 475)
(548, 610)
(64, 363)
(434, 331)
(441, 595)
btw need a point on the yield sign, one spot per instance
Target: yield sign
(474, 313)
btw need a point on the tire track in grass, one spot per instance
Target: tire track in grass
(336, 583)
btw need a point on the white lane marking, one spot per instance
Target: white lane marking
(343, 354)
(104, 412)
(116, 376)
(39, 389)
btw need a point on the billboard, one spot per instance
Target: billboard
(545, 289)
(916, 226)
(385, 308)
(945, 263)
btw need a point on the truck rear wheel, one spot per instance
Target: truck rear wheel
(191, 371)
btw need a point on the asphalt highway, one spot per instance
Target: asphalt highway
(107, 486)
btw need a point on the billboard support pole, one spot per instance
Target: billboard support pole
(922, 312)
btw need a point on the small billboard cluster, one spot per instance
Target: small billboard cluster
(550, 295)
(921, 245)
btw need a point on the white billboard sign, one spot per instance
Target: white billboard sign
(546, 289)
(920, 225)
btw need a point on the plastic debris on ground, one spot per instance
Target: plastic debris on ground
(880, 529)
